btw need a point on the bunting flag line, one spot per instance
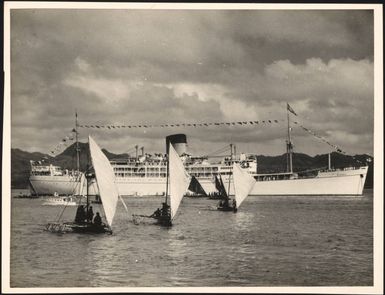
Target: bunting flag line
(337, 148)
(64, 142)
(173, 125)
(214, 124)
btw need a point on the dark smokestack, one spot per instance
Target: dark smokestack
(178, 141)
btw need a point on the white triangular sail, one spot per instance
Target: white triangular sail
(105, 179)
(243, 183)
(179, 180)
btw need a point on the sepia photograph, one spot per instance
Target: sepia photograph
(192, 147)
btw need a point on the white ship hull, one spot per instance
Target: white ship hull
(345, 182)
(49, 185)
(350, 182)
(341, 182)
(61, 185)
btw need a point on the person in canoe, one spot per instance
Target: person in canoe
(80, 214)
(98, 220)
(90, 214)
(156, 214)
(165, 210)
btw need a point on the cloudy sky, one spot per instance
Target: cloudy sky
(193, 66)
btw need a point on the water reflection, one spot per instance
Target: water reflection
(269, 241)
(244, 220)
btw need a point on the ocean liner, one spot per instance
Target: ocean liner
(145, 174)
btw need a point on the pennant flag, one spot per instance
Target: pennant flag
(290, 109)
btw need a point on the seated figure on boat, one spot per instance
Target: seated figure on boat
(165, 218)
(156, 214)
(166, 209)
(98, 220)
(163, 215)
(224, 203)
(90, 214)
(80, 214)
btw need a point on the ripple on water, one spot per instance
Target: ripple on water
(271, 241)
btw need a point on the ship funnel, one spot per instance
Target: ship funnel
(178, 141)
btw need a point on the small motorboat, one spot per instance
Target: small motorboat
(61, 201)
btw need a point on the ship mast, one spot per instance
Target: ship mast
(77, 144)
(289, 146)
(231, 164)
(167, 174)
(88, 175)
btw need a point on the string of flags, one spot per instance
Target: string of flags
(335, 147)
(64, 142)
(114, 126)
(207, 124)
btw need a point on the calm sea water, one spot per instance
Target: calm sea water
(271, 241)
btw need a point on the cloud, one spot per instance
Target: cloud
(142, 66)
